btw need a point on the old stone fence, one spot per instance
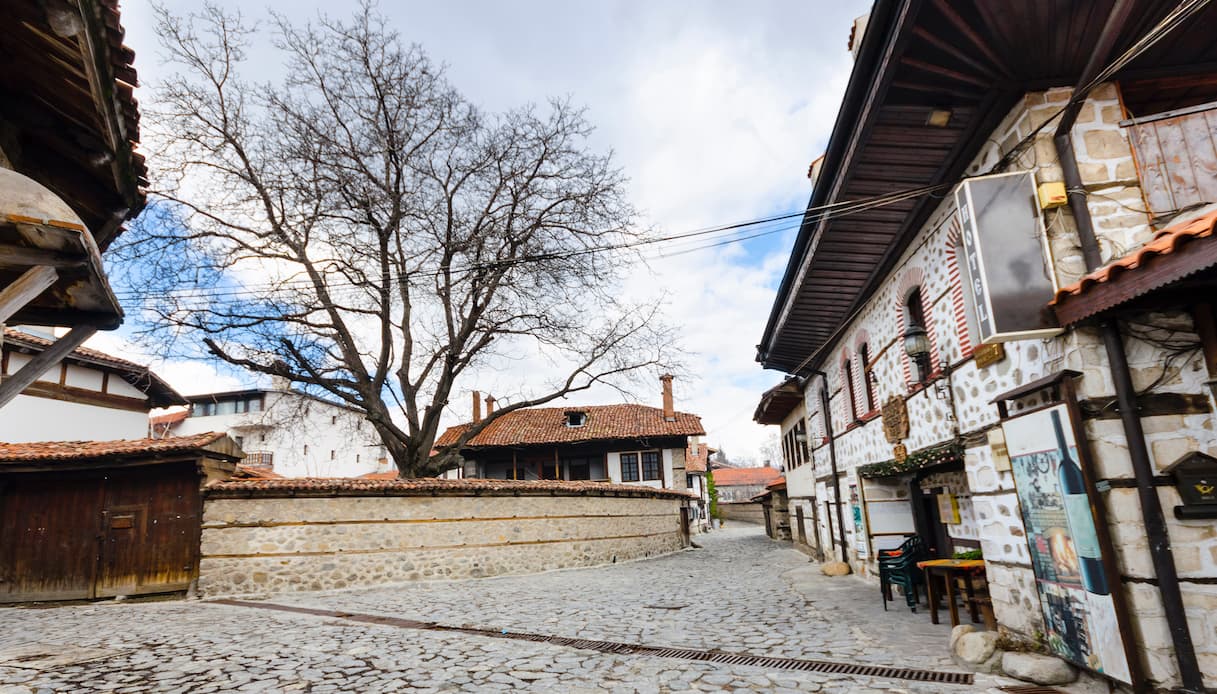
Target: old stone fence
(744, 511)
(262, 536)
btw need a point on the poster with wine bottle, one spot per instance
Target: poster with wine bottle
(1080, 619)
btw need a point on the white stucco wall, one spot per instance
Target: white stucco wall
(29, 418)
(614, 468)
(340, 443)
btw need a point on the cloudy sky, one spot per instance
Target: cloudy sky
(713, 109)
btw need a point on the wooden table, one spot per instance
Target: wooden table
(949, 570)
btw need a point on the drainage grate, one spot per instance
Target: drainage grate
(616, 648)
(1031, 689)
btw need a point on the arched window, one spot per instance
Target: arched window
(867, 386)
(848, 374)
(916, 336)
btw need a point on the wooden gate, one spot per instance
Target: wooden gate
(73, 536)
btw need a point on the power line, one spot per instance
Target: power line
(837, 209)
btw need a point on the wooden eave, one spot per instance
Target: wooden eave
(976, 60)
(68, 116)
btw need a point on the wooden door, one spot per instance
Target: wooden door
(48, 537)
(150, 531)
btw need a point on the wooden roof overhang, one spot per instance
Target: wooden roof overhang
(44, 245)
(778, 402)
(975, 60)
(68, 115)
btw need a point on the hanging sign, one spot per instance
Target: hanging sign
(1074, 584)
(1007, 263)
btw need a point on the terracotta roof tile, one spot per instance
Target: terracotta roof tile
(390, 475)
(318, 486)
(744, 476)
(547, 425)
(136, 374)
(696, 457)
(252, 472)
(1173, 241)
(77, 450)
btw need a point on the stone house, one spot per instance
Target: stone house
(741, 484)
(286, 431)
(628, 443)
(912, 394)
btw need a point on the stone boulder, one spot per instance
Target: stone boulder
(958, 632)
(835, 568)
(977, 650)
(1040, 669)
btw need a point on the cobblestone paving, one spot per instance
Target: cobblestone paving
(741, 593)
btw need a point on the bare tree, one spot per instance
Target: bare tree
(362, 229)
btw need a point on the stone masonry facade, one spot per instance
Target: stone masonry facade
(270, 545)
(955, 405)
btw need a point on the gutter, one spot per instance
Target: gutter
(832, 458)
(1151, 506)
(857, 93)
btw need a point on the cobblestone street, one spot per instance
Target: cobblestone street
(741, 593)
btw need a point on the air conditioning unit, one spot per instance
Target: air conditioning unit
(1008, 270)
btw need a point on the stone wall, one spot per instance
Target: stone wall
(259, 539)
(747, 512)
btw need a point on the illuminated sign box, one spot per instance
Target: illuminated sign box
(1008, 265)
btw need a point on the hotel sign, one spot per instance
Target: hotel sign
(1007, 263)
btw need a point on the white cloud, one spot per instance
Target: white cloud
(714, 110)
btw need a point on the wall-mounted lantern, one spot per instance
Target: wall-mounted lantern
(917, 346)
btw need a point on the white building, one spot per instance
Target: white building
(87, 396)
(292, 433)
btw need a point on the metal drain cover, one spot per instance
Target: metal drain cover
(48, 656)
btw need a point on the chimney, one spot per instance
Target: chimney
(669, 409)
(855, 34)
(280, 383)
(477, 407)
(489, 405)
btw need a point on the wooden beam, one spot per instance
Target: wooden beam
(25, 289)
(12, 386)
(20, 257)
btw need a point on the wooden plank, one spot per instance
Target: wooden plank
(25, 289)
(12, 386)
(21, 257)
(48, 548)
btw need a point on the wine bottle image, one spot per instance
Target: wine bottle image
(1077, 509)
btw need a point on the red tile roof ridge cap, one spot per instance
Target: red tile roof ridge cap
(1164, 242)
(88, 352)
(473, 486)
(69, 450)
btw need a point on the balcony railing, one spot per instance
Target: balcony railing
(259, 459)
(1176, 158)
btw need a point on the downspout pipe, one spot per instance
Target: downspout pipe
(1151, 506)
(832, 459)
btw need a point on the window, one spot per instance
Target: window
(306, 449)
(255, 404)
(240, 441)
(847, 372)
(868, 388)
(575, 418)
(334, 419)
(652, 469)
(629, 467)
(332, 454)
